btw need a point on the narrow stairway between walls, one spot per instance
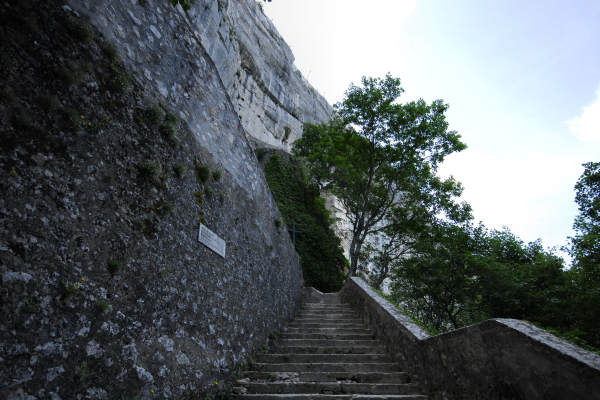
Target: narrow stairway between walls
(326, 352)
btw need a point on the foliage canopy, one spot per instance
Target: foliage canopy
(460, 274)
(377, 155)
(586, 243)
(585, 251)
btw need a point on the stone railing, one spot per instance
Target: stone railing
(495, 359)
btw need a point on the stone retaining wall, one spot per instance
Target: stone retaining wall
(105, 291)
(495, 359)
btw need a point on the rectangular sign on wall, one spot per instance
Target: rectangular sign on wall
(211, 240)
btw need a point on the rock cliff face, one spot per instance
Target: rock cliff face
(119, 137)
(256, 66)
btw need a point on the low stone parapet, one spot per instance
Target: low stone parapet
(495, 359)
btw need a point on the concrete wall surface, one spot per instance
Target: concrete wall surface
(495, 359)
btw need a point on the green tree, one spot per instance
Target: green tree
(374, 150)
(523, 281)
(460, 274)
(185, 4)
(439, 282)
(586, 243)
(420, 206)
(585, 251)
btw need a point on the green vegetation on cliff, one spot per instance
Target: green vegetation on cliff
(319, 249)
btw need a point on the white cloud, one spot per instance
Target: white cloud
(336, 42)
(586, 126)
(530, 192)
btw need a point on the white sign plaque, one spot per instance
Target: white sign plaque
(211, 240)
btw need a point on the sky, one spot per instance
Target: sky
(522, 79)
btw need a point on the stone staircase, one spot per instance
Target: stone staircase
(326, 353)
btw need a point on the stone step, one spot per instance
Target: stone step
(313, 396)
(329, 330)
(325, 325)
(356, 377)
(333, 336)
(326, 315)
(330, 387)
(322, 305)
(322, 358)
(328, 349)
(327, 342)
(327, 308)
(327, 320)
(326, 353)
(326, 311)
(326, 367)
(329, 302)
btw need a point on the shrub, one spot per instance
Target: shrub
(79, 29)
(170, 118)
(82, 370)
(149, 169)
(69, 290)
(147, 226)
(169, 127)
(199, 197)
(162, 207)
(185, 4)
(110, 51)
(102, 305)
(202, 173)
(113, 267)
(168, 131)
(152, 115)
(286, 133)
(260, 154)
(119, 82)
(179, 170)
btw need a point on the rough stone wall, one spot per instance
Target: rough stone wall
(256, 66)
(106, 293)
(496, 359)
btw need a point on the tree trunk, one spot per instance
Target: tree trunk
(383, 273)
(354, 251)
(356, 244)
(453, 320)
